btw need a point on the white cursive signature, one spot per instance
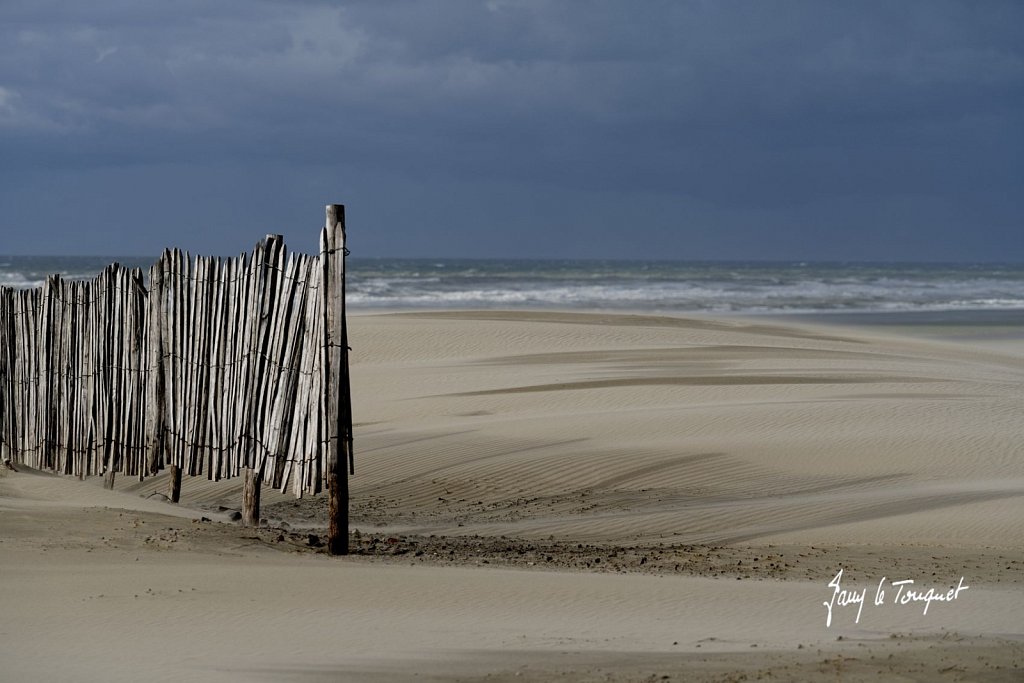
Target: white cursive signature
(905, 594)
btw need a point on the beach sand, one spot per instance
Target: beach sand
(571, 496)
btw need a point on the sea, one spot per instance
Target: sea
(926, 291)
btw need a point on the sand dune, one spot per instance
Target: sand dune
(734, 432)
(690, 448)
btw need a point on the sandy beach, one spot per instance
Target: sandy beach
(573, 496)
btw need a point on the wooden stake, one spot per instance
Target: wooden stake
(174, 487)
(251, 498)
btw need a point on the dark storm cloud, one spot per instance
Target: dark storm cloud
(840, 130)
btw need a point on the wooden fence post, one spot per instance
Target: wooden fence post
(251, 497)
(336, 361)
(174, 484)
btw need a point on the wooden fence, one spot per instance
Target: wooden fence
(217, 368)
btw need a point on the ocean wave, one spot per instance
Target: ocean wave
(19, 280)
(665, 286)
(727, 289)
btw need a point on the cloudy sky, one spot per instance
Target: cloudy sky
(656, 129)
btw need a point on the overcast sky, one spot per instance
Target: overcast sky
(681, 130)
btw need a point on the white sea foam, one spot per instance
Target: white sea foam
(708, 287)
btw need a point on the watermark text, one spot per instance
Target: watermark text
(901, 593)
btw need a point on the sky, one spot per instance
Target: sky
(710, 130)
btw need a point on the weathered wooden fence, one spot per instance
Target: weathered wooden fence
(219, 367)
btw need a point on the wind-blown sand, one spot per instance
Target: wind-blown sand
(570, 496)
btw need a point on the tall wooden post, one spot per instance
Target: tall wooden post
(338, 418)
